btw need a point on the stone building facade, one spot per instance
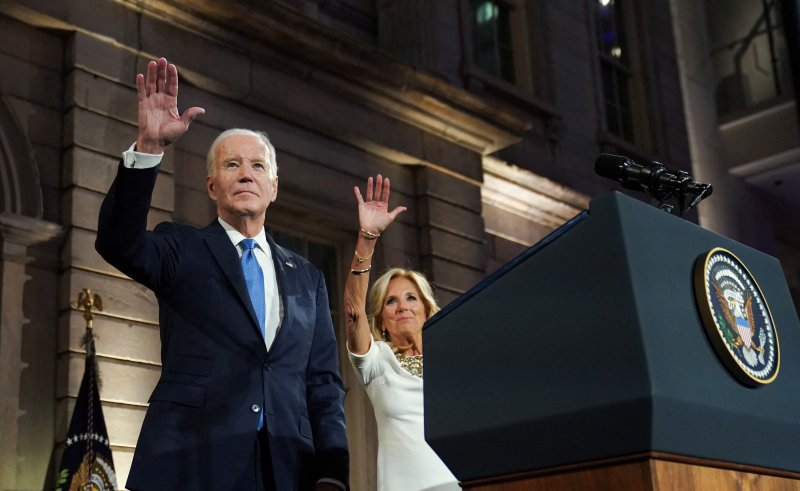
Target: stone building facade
(486, 115)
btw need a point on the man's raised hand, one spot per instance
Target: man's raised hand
(160, 124)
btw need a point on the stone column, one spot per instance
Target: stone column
(735, 209)
(28, 270)
(451, 231)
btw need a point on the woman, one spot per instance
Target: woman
(386, 350)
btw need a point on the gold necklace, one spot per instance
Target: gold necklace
(410, 363)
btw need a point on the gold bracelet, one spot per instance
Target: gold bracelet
(362, 259)
(360, 271)
(370, 235)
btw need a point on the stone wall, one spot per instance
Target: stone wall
(345, 89)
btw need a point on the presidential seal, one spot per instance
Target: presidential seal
(736, 318)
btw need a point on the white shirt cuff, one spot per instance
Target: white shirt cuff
(138, 160)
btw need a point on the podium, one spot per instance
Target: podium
(584, 364)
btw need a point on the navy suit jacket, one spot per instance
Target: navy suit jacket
(217, 375)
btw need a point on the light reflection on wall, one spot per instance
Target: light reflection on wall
(510, 193)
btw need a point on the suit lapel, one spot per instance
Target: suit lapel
(225, 254)
(286, 274)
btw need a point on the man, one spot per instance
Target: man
(249, 396)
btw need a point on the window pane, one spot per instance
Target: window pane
(324, 257)
(610, 29)
(491, 38)
(320, 255)
(617, 100)
(611, 44)
(295, 244)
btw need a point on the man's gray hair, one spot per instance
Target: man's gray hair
(272, 163)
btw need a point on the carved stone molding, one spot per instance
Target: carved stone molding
(279, 35)
(19, 233)
(524, 194)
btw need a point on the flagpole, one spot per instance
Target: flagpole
(87, 301)
(87, 463)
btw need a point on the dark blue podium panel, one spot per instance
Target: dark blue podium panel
(590, 346)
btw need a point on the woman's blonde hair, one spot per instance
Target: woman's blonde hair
(377, 297)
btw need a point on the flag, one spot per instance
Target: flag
(87, 464)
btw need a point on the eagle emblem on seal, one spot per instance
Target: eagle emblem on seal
(736, 318)
(738, 312)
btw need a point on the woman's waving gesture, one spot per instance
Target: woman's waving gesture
(373, 212)
(374, 218)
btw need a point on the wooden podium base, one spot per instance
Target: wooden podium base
(647, 472)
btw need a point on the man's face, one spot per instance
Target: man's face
(241, 183)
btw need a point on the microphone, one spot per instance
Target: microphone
(654, 178)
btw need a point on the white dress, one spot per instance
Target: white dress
(405, 460)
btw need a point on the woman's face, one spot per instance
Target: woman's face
(403, 312)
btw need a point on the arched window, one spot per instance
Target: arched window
(20, 191)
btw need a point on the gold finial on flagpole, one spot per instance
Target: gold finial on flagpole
(86, 302)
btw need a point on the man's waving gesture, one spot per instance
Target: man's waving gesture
(160, 123)
(249, 397)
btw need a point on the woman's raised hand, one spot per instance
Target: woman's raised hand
(373, 209)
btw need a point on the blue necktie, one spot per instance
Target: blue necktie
(254, 278)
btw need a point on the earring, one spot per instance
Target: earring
(385, 336)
